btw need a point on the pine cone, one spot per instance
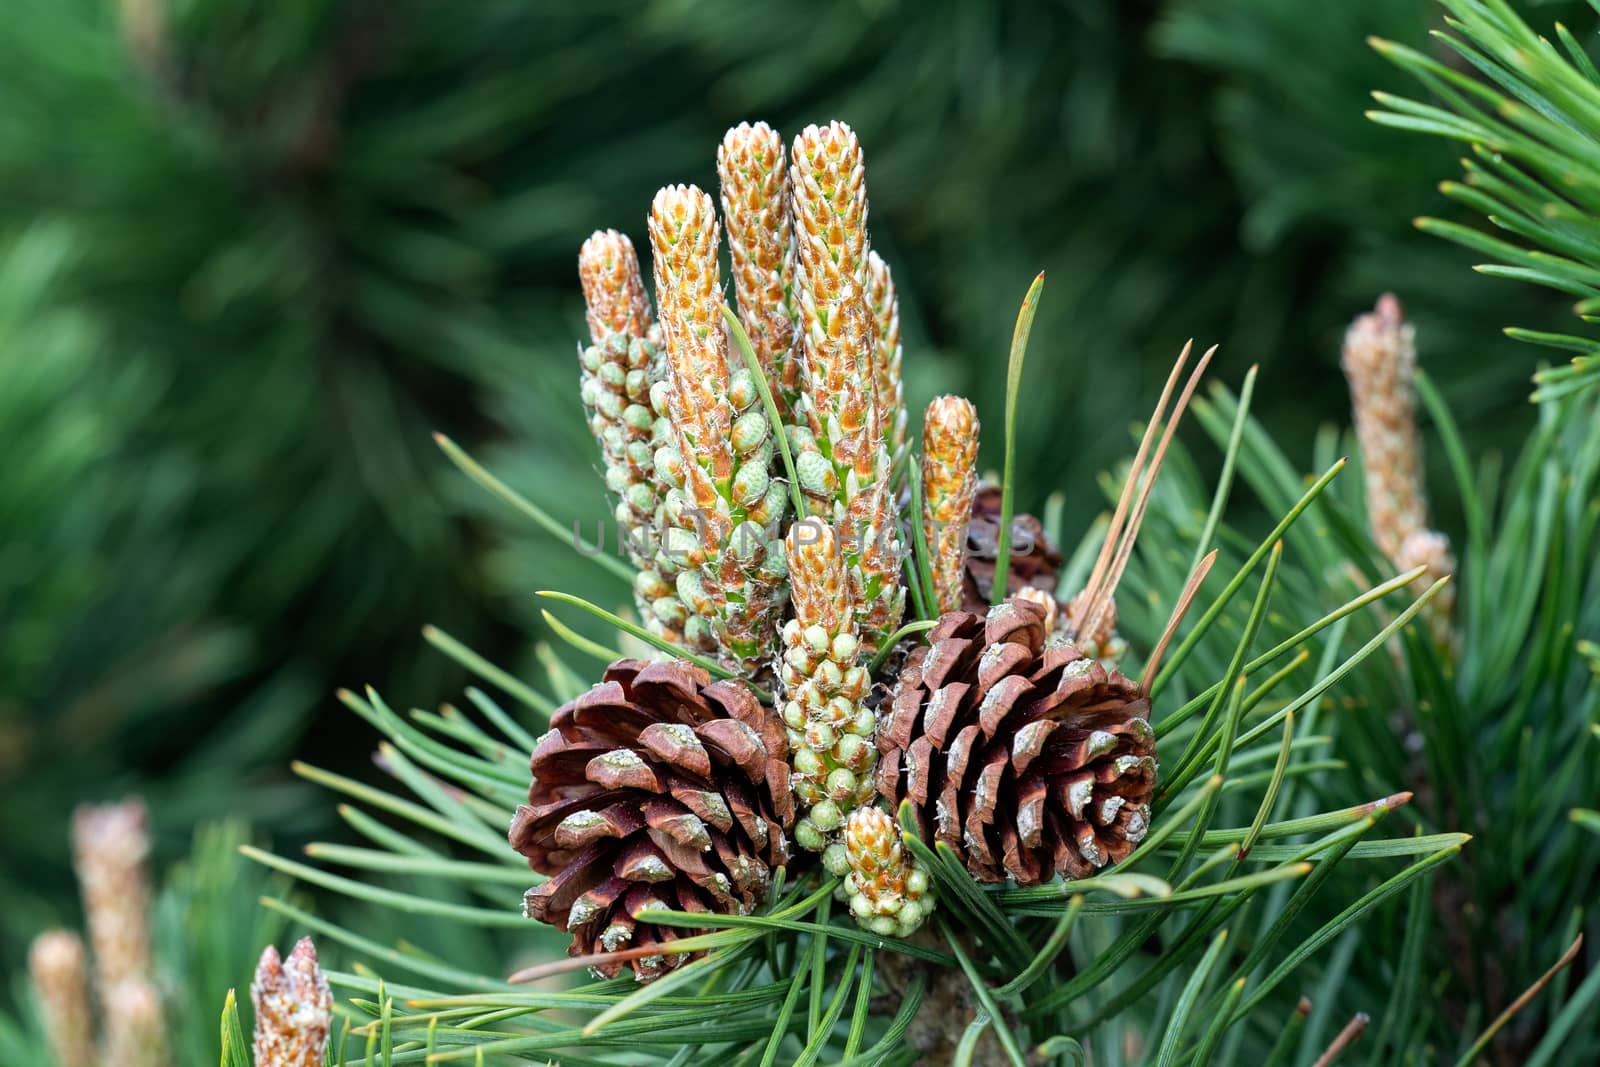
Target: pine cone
(886, 887)
(1026, 757)
(830, 727)
(655, 789)
(1035, 560)
(723, 508)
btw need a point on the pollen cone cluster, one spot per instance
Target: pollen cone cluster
(723, 508)
(830, 726)
(1026, 757)
(294, 1008)
(618, 368)
(887, 889)
(657, 789)
(949, 484)
(843, 458)
(1380, 363)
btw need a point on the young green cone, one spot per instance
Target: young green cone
(886, 887)
(619, 366)
(949, 482)
(824, 687)
(842, 454)
(723, 507)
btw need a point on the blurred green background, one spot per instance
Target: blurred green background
(252, 253)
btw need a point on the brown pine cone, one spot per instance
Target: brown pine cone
(1026, 757)
(1035, 560)
(655, 789)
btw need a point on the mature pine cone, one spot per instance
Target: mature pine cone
(1035, 560)
(655, 789)
(1026, 757)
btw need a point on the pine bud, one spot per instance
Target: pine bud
(1431, 549)
(60, 976)
(886, 887)
(949, 482)
(1380, 363)
(838, 396)
(110, 844)
(755, 208)
(294, 1008)
(136, 1033)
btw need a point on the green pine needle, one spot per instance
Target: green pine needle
(1019, 349)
